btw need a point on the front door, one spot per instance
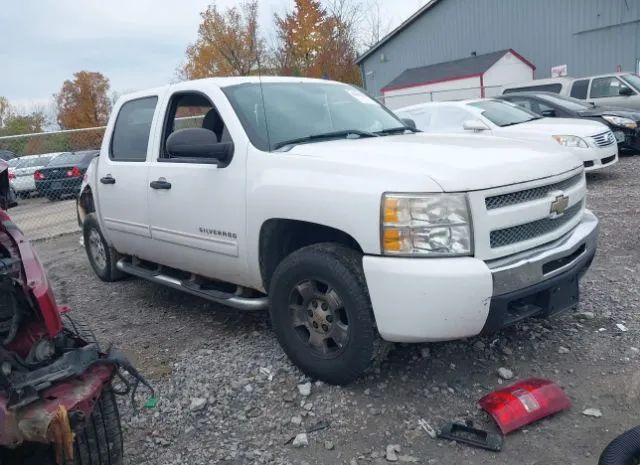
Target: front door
(197, 207)
(605, 91)
(122, 178)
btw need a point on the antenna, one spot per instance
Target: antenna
(264, 106)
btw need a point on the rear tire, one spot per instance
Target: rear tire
(102, 257)
(321, 312)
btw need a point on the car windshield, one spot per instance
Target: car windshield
(33, 162)
(633, 80)
(314, 111)
(504, 114)
(569, 103)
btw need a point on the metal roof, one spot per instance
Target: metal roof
(430, 4)
(450, 70)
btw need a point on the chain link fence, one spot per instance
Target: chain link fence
(45, 172)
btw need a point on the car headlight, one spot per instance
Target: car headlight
(426, 225)
(572, 141)
(620, 121)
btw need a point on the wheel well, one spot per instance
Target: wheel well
(280, 237)
(85, 204)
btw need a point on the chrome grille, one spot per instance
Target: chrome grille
(524, 232)
(604, 139)
(513, 198)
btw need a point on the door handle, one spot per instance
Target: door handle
(108, 179)
(161, 184)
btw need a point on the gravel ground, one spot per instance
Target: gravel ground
(40, 218)
(227, 394)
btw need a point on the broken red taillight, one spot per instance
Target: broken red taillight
(524, 402)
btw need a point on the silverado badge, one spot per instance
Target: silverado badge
(559, 205)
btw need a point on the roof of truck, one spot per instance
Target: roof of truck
(227, 82)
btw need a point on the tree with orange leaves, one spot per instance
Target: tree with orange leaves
(228, 43)
(83, 101)
(315, 42)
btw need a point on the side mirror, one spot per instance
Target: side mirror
(625, 91)
(549, 113)
(408, 122)
(475, 125)
(198, 144)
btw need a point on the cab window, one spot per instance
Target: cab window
(192, 110)
(579, 89)
(606, 87)
(130, 139)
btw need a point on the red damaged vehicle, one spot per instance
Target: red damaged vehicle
(57, 403)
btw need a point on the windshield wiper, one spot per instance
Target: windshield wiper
(520, 122)
(325, 136)
(399, 129)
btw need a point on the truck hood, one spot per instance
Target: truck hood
(555, 126)
(457, 163)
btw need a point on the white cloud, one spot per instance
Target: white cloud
(135, 43)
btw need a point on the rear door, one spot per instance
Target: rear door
(122, 176)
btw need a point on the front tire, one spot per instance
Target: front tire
(100, 441)
(102, 257)
(321, 312)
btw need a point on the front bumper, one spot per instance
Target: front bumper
(421, 300)
(597, 158)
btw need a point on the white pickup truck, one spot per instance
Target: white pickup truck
(311, 199)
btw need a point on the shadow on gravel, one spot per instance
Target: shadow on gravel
(598, 177)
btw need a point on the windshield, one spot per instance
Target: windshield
(503, 113)
(569, 103)
(633, 80)
(303, 109)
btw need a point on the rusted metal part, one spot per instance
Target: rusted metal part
(34, 422)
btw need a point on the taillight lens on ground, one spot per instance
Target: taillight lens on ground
(74, 172)
(38, 176)
(524, 402)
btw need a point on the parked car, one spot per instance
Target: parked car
(625, 124)
(56, 400)
(312, 199)
(21, 175)
(62, 177)
(592, 142)
(6, 155)
(620, 90)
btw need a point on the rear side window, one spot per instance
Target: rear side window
(555, 88)
(131, 132)
(579, 89)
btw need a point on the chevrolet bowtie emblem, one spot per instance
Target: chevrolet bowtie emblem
(559, 205)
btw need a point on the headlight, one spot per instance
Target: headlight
(572, 141)
(620, 121)
(429, 225)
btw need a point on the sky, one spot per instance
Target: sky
(137, 44)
